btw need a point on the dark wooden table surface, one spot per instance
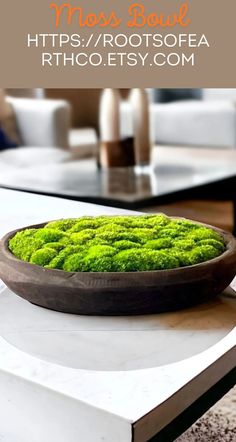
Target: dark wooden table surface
(176, 173)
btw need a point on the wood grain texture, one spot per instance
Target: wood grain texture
(130, 293)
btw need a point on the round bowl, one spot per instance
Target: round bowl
(129, 293)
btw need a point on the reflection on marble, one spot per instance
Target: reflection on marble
(118, 343)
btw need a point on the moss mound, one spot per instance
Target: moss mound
(117, 244)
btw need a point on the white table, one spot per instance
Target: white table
(67, 378)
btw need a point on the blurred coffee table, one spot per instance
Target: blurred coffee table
(176, 173)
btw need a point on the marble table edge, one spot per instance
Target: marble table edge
(65, 379)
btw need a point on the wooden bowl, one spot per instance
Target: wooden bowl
(130, 293)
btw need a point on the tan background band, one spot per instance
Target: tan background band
(21, 66)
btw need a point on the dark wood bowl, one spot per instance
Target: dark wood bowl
(130, 293)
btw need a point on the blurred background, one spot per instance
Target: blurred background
(67, 120)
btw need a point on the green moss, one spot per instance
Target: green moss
(166, 260)
(101, 250)
(134, 260)
(125, 244)
(183, 257)
(135, 235)
(184, 244)
(58, 246)
(117, 243)
(218, 245)
(83, 236)
(143, 234)
(111, 237)
(43, 256)
(203, 253)
(96, 241)
(202, 233)
(92, 263)
(50, 235)
(27, 233)
(73, 263)
(139, 223)
(62, 224)
(172, 232)
(185, 224)
(158, 244)
(24, 243)
(158, 220)
(109, 227)
(123, 221)
(97, 259)
(58, 261)
(85, 223)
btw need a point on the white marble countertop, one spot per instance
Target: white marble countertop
(67, 378)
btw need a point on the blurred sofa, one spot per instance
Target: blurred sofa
(42, 122)
(190, 117)
(43, 127)
(44, 134)
(206, 121)
(204, 118)
(78, 116)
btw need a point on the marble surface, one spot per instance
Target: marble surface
(66, 397)
(173, 169)
(118, 343)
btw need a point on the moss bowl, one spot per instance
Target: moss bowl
(118, 293)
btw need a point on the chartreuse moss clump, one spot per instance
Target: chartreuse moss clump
(117, 244)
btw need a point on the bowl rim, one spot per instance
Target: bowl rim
(229, 239)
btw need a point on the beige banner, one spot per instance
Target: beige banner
(93, 44)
